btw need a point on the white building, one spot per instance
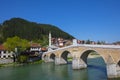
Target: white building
(6, 54)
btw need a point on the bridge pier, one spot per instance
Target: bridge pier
(59, 60)
(48, 59)
(78, 63)
(113, 70)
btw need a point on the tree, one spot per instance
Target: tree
(101, 42)
(22, 58)
(43, 41)
(117, 43)
(88, 41)
(1, 37)
(16, 42)
(98, 42)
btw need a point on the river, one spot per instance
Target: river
(49, 71)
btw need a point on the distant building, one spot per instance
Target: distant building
(4, 53)
(86, 42)
(60, 42)
(55, 43)
(80, 41)
(35, 47)
(117, 43)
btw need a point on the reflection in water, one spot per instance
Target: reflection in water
(49, 71)
(96, 69)
(114, 79)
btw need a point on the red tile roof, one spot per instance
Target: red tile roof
(35, 45)
(2, 47)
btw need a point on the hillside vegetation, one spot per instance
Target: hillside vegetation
(29, 30)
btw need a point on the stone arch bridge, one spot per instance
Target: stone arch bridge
(109, 53)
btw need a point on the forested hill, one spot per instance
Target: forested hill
(30, 30)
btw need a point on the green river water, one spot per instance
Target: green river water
(49, 71)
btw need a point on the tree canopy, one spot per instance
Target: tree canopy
(16, 42)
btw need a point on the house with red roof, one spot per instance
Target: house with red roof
(4, 53)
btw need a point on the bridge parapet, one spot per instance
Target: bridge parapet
(100, 46)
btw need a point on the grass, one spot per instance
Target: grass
(9, 64)
(19, 64)
(37, 62)
(69, 59)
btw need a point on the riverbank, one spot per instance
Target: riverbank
(9, 64)
(19, 64)
(93, 56)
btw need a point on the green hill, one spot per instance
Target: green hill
(29, 30)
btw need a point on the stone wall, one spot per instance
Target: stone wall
(5, 61)
(6, 57)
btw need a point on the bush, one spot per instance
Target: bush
(23, 59)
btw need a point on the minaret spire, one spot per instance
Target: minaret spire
(50, 39)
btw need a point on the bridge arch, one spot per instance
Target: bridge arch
(64, 55)
(44, 56)
(119, 63)
(52, 56)
(86, 53)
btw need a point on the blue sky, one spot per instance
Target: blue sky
(84, 19)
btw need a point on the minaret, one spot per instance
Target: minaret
(49, 39)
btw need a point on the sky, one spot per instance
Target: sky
(84, 19)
